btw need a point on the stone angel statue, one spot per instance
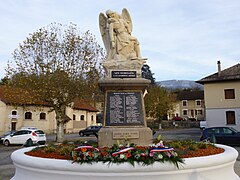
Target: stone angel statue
(116, 32)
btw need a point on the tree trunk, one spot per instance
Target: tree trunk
(60, 132)
(60, 114)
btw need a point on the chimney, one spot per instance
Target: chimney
(219, 68)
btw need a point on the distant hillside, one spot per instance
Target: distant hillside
(179, 84)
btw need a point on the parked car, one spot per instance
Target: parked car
(90, 130)
(25, 136)
(177, 119)
(4, 135)
(221, 135)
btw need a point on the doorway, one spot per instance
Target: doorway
(13, 126)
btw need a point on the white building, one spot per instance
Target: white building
(222, 97)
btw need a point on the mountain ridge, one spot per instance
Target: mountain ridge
(179, 84)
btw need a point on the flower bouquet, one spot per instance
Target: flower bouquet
(130, 153)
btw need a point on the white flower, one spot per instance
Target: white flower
(122, 156)
(160, 156)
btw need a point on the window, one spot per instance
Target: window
(82, 117)
(92, 118)
(230, 117)
(74, 117)
(213, 131)
(28, 115)
(185, 112)
(184, 103)
(42, 116)
(199, 112)
(198, 102)
(229, 94)
(22, 132)
(228, 131)
(14, 112)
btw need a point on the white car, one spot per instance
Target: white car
(25, 136)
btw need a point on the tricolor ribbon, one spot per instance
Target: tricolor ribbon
(86, 147)
(122, 151)
(161, 150)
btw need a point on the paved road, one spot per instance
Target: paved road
(7, 168)
(180, 134)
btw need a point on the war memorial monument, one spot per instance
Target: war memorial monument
(123, 86)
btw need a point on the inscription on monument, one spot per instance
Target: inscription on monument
(125, 134)
(124, 108)
(124, 74)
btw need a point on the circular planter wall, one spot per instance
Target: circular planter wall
(215, 167)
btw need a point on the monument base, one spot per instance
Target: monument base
(142, 136)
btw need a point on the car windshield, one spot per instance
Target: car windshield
(9, 132)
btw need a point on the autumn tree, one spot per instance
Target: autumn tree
(158, 102)
(57, 63)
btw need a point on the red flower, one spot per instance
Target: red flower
(128, 155)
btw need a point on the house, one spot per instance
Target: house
(190, 105)
(222, 97)
(19, 109)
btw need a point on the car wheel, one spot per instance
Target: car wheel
(6, 143)
(28, 143)
(81, 134)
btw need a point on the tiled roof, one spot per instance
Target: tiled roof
(16, 96)
(229, 74)
(82, 105)
(190, 95)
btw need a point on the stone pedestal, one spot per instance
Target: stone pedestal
(124, 113)
(108, 136)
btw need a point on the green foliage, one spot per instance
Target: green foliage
(65, 142)
(184, 147)
(66, 150)
(158, 102)
(202, 145)
(49, 149)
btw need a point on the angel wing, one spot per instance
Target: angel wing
(103, 26)
(126, 16)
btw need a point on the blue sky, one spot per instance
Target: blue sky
(182, 39)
